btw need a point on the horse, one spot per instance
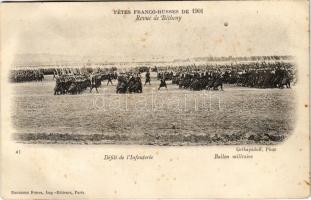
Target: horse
(94, 82)
(59, 88)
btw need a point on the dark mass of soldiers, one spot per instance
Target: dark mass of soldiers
(26, 75)
(194, 77)
(129, 82)
(68, 83)
(73, 81)
(257, 75)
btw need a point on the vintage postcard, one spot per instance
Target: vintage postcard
(189, 99)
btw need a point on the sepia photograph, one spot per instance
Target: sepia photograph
(245, 100)
(155, 100)
(217, 83)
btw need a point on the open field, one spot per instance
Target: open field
(167, 117)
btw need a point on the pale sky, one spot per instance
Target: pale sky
(92, 30)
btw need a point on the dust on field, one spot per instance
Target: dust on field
(167, 117)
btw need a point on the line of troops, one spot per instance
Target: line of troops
(257, 75)
(26, 75)
(128, 82)
(76, 83)
(70, 84)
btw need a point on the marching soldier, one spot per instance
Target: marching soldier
(162, 83)
(147, 78)
(109, 79)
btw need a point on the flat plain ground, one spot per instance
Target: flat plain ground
(173, 116)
